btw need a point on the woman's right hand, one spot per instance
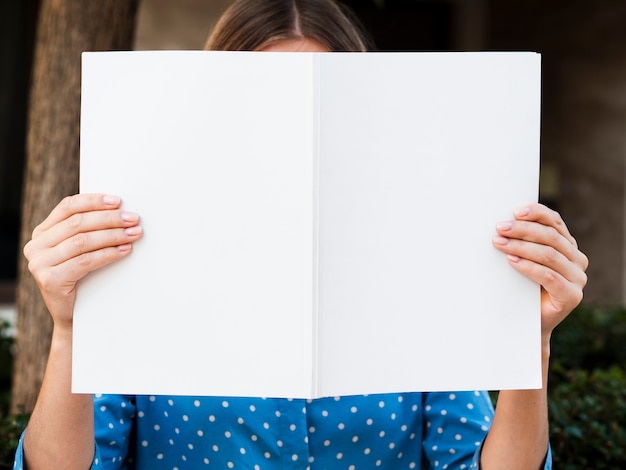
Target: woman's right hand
(83, 233)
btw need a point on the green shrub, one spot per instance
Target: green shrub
(587, 418)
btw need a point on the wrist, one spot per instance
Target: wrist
(62, 334)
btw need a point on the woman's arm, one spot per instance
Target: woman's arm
(82, 234)
(539, 245)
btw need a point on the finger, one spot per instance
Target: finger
(63, 277)
(545, 216)
(76, 204)
(541, 234)
(564, 295)
(84, 222)
(87, 242)
(542, 255)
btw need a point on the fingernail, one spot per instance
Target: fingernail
(513, 258)
(129, 217)
(521, 211)
(504, 226)
(124, 248)
(500, 240)
(132, 231)
(110, 200)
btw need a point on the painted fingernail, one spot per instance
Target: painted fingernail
(522, 211)
(500, 240)
(124, 248)
(110, 200)
(513, 258)
(132, 231)
(129, 217)
(504, 226)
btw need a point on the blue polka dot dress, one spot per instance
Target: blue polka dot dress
(395, 431)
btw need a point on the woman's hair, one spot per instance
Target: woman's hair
(249, 25)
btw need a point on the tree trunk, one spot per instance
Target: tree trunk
(65, 29)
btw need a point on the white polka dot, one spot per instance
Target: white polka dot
(225, 404)
(339, 456)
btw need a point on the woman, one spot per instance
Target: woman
(414, 430)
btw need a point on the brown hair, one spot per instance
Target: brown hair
(249, 25)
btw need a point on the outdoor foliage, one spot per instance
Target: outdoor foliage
(587, 392)
(10, 426)
(588, 413)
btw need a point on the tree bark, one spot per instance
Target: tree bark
(65, 29)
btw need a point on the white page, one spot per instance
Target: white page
(230, 309)
(413, 295)
(217, 295)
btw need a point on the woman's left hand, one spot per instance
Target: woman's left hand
(539, 245)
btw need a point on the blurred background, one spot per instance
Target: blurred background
(583, 47)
